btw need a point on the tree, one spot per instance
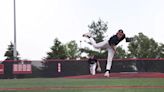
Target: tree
(58, 51)
(72, 50)
(10, 51)
(8, 66)
(144, 47)
(161, 50)
(89, 52)
(121, 53)
(98, 29)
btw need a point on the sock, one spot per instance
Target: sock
(107, 70)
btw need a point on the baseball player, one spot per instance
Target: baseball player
(93, 62)
(110, 45)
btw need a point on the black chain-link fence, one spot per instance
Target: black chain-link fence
(59, 68)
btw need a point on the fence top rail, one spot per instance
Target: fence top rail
(16, 61)
(122, 59)
(140, 59)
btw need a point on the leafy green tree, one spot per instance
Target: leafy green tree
(161, 50)
(58, 51)
(89, 52)
(98, 29)
(143, 47)
(9, 52)
(9, 65)
(72, 50)
(121, 53)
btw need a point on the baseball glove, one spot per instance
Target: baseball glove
(98, 69)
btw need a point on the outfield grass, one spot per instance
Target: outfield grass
(68, 83)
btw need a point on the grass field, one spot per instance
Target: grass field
(82, 85)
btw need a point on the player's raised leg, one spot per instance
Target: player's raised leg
(103, 44)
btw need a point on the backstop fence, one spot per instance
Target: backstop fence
(60, 68)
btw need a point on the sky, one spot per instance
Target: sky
(39, 22)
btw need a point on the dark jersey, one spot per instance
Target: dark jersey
(92, 61)
(114, 40)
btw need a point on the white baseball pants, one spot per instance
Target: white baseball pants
(93, 69)
(104, 44)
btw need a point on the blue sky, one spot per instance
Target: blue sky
(39, 22)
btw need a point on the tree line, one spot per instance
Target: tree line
(141, 47)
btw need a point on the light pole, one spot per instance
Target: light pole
(15, 51)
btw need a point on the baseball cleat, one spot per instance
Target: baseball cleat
(107, 74)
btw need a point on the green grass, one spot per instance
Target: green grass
(61, 82)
